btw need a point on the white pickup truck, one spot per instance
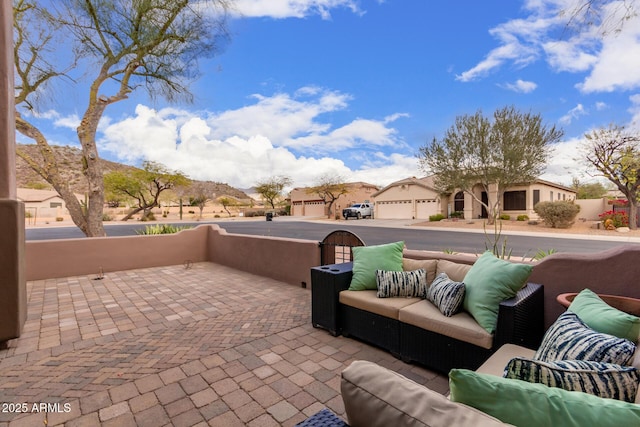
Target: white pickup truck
(358, 210)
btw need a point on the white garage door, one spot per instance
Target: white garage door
(396, 209)
(425, 208)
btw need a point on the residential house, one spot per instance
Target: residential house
(43, 203)
(410, 198)
(417, 198)
(305, 203)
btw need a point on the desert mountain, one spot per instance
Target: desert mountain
(70, 163)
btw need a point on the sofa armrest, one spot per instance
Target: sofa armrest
(521, 318)
(375, 396)
(326, 283)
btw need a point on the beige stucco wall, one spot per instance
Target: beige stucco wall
(288, 260)
(591, 208)
(72, 257)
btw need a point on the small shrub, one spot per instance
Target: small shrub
(149, 217)
(106, 217)
(59, 219)
(542, 254)
(522, 218)
(162, 229)
(457, 214)
(505, 217)
(216, 216)
(612, 219)
(560, 214)
(259, 213)
(27, 214)
(436, 217)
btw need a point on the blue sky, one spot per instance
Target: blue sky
(355, 87)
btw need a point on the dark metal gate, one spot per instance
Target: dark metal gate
(336, 247)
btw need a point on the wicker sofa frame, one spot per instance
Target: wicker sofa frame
(520, 321)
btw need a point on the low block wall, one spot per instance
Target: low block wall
(288, 260)
(615, 271)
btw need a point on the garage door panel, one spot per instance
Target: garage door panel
(398, 209)
(426, 207)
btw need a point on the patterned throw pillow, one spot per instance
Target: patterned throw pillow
(401, 283)
(446, 294)
(570, 339)
(600, 379)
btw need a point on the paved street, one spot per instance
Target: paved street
(375, 232)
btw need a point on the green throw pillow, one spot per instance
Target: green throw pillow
(600, 316)
(528, 404)
(368, 259)
(489, 282)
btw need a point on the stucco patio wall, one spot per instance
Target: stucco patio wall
(614, 271)
(48, 259)
(288, 260)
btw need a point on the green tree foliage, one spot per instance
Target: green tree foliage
(120, 46)
(226, 203)
(591, 190)
(560, 214)
(271, 189)
(479, 152)
(329, 187)
(144, 186)
(614, 153)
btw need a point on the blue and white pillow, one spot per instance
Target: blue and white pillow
(600, 379)
(446, 294)
(570, 339)
(401, 283)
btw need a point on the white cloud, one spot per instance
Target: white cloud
(246, 145)
(280, 116)
(565, 162)
(70, 122)
(618, 61)
(601, 106)
(292, 8)
(635, 111)
(521, 86)
(574, 113)
(611, 60)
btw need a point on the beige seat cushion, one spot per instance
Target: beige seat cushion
(454, 270)
(368, 301)
(496, 363)
(461, 326)
(377, 397)
(429, 265)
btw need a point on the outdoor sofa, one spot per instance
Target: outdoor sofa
(585, 373)
(414, 329)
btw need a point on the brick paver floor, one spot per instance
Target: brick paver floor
(197, 346)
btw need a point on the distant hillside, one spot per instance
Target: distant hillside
(70, 163)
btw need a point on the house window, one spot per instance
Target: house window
(536, 197)
(515, 200)
(551, 196)
(55, 204)
(458, 202)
